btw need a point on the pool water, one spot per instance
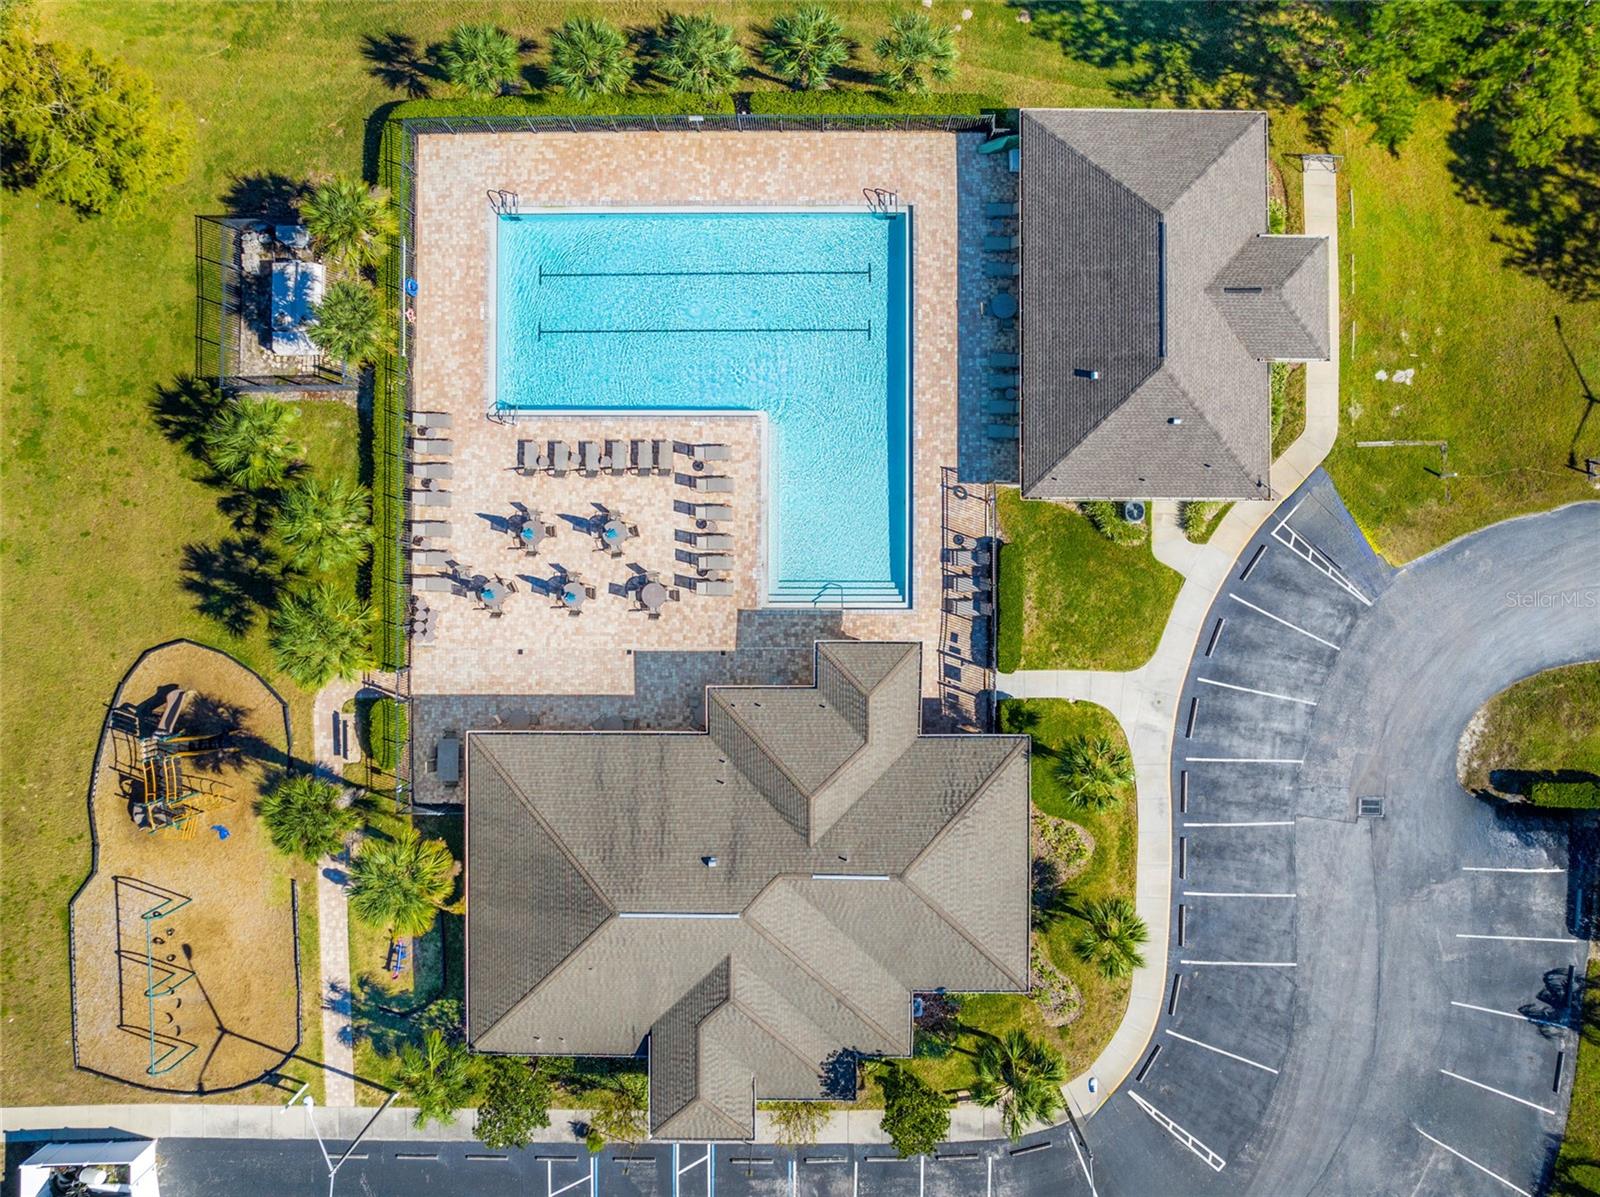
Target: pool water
(800, 315)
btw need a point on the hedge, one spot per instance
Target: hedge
(839, 102)
(385, 733)
(1571, 795)
(641, 103)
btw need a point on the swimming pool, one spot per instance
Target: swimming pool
(801, 316)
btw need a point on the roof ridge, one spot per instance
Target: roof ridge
(733, 713)
(770, 1032)
(866, 740)
(755, 925)
(553, 973)
(1215, 290)
(698, 1104)
(1177, 381)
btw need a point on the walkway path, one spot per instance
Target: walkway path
(1145, 699)
(333, 930)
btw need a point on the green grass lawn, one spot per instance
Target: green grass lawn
(1109, 873)
(1577, 1171)
(1429, 291)
(1544, 723)
(1069, 598)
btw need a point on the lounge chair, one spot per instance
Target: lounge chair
(996, 244)
(1002, 432)
(715, 483)
(1001, 407)
(589, 457)
(431, 419)
(435, 558)
(560, 458)
(968, 558)
(616, 457)
(712, 511)
(712, 586)
(432, 584)
(430, 527)
(707, 562)
(710, 452)
(528, 458)
(421, 499)
(644, 457)
(436, 470)
(1001, 379)
(431, 447)
(961, 584)
(707, 541)
(999, 211)
(663, 452)
(1001, 269)
(1003, 361)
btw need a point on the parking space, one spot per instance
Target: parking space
(1236, 858)
(752, 1171)
(639, 1172)
(880, 1175)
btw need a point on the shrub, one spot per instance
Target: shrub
(1106, 516)
(698, 55)
(1280, 393)
(589, 58)
(1277, 215)
(1111, 938)
(798, 1123)
(806, 46)
(401, 884)
(916, 1116)
(325, 525)
(350, 323)
(85, 130)
(915, 50)
(350, 222)
(1196, 518)
(249, 444)
(386, 733)
(1093, 773)
(874, 102)
(621, 1111)
(515, 1103)
(439, 1076)
(480, 59)
(321, 633)
(305, 817)
(1023, 1077)
(1572, 795)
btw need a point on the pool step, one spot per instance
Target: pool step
(825, 595)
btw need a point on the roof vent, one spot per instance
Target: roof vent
(1091, 375)
(1174, 420)
(709, 861)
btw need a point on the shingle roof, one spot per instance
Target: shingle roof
(572, 836)
(1143, 357)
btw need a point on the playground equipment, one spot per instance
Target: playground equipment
(163, 978)
(172, 799)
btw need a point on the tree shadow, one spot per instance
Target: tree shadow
(1552, 212)
(185, 408)
(1190, 52)
(234, 581)
(269, 196)
(396, 61)
(1590, 399)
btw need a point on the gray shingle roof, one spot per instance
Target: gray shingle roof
(572, 836)
(1143, 361)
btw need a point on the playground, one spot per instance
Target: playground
(183, 939)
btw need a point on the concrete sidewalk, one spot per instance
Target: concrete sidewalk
(333, 920)
(1145, 700)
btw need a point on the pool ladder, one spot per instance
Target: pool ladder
(883, 202)
(504, 202)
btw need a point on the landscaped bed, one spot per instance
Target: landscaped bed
(1069, 597)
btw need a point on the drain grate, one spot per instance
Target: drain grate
(1370, 808)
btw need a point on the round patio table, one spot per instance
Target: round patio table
(492, 594)
(652, 595)
(572, 595)
(1003, 305)
(614, 532)
(530, 533)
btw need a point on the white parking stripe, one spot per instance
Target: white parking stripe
(1469, 1160)
(1305, 702)
(1279, 619)
(1505, 869)
(1521, 1101)
(1245, 760)
(1520, 1017)
(1271, 823)
(1220, 1052)
(1212, 893)
(1521, 938)
(1240, 963)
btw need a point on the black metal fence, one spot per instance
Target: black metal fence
(227, 310)
(714, 123)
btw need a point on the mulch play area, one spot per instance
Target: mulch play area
(183, 941)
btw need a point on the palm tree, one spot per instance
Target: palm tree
(589, 58)
(440, 1076)
(805, 46)
(350, 222)
(305, 818)
(480, 59)
(1094, 773)
(321, 633)
(349, 323)
(1023, 1077)
(915, 49)
(249, 443)
(325, 525)
(1111, 937)
(698, 54)
(401, 883)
